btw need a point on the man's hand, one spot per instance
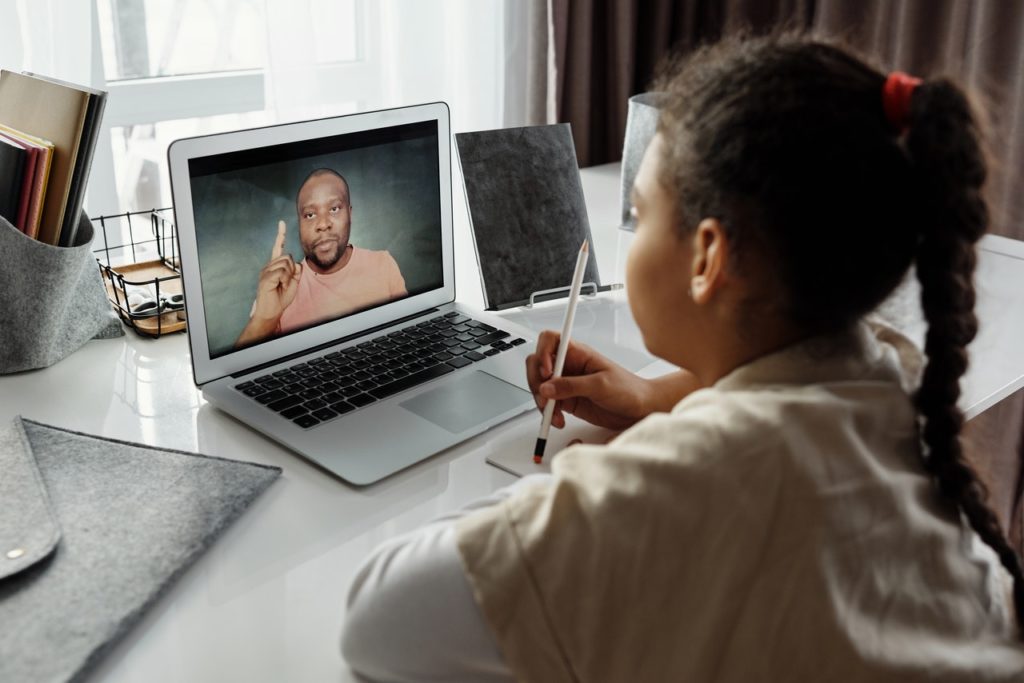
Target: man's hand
(279, 280)
(278, 283)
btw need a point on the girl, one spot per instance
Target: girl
(794, 505)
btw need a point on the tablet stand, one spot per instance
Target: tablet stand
(550, 293)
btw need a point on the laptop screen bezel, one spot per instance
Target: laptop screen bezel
(180, 152)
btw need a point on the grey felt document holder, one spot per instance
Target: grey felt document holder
(52, 299)
(92, 532)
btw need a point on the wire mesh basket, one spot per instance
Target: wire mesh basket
(141, 270)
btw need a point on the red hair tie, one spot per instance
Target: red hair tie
(896, 94)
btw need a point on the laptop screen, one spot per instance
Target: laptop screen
(297, 235)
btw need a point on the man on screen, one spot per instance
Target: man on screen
(333, 279)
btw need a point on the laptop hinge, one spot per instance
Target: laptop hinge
(335, 342)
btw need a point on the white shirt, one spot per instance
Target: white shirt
(777, 526)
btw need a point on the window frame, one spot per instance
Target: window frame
(141, 101)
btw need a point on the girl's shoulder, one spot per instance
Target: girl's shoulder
(816, 433)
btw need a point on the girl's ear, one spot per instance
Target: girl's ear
(710, 260)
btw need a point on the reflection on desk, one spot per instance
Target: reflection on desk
(284, 541)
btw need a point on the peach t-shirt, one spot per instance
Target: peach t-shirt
(371, 277)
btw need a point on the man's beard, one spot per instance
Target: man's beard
(329, 263)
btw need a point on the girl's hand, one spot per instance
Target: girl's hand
(597, 390)
(591, 387)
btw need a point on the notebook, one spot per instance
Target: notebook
(40, 176)
(57, 113)
(317, 265)
(97, 103)
(509, 448)
(12, 175)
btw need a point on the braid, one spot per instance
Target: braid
(943, 143)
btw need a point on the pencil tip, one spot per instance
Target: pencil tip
(538, 449)
(586, 245)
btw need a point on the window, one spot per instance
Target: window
(178, 68)
(150, 39)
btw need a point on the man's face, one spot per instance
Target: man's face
(325, 220)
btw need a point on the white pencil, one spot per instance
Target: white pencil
(563, 346)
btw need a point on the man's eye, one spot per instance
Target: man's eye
(307, 215)
(334, 209)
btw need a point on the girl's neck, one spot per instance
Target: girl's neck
(729, 348)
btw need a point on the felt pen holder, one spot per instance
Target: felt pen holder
(52, 299)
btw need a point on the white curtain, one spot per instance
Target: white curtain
(51, 37)
(468, 53)
(463, 52)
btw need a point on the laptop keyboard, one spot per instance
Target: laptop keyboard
(320, 389)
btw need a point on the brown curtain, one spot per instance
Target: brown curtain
(994, 442)
(604, 51)
(980, 43)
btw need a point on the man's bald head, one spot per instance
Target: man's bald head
(316, 173)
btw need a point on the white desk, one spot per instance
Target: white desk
(266, 602)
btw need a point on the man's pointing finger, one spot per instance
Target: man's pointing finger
(279, 242)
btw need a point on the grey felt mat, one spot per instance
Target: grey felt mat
(132, 519)
(52, 299)
(526, 208)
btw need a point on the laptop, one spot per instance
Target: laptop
(317, 263)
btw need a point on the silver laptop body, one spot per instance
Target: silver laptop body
(230, 192)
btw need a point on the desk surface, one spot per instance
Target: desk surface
(267, 601)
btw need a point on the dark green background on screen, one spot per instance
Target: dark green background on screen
(394, 195)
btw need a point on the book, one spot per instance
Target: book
(526, 210)
(40, 179)
(27, 182)
(12, 166)
(54, 112)
(83, 163)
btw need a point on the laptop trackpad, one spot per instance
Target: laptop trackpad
(467, 401)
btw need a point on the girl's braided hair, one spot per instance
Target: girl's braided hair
(785, 141)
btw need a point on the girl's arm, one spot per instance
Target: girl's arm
(411, 612)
